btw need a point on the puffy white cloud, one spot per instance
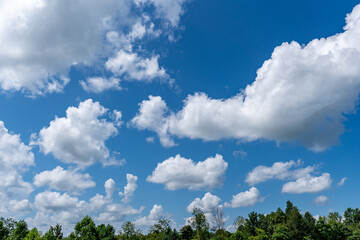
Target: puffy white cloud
(110, 187)
(15, 159)
(41, 40)
(151, 116)
(53, 207)
(207, 204)
(279, 170)
(54, 201)
(156, 213)
(321, 200)
(342, 181)
(131, 66)
(245, 199)
(21, 206)
(14, 154)
(130, 188)
(300, 94)
(178, 172)
(308, 184)
(64, 180)
(117, 212)
(79, 137)
(100, 84)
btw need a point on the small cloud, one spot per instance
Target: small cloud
(150, 139)
(240, 154)
(321, 200)
(342, 181)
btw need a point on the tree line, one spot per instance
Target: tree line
(278, 225)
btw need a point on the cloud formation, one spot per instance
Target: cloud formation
(178, 172)
(130, 188)
(308, 184)
(245, 199)
(156, 213)
(207, 204)
(302, 94)
(279, 170)
(41, 40)
(15, 158)
(79, 138)
(64, 180)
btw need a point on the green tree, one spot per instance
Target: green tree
(4, 231)
(352, 217)
(238, 235)
(54, 233)
(106, 232)
(199, 224)
(309, 225)
(86, 229)
(252, 223)
(294, 222)
(186, 232)
(20, 231)
(281, 232)
(33, 235)
(259, 235)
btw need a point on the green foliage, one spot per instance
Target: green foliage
(281, 232)
(54, 233)
(186, 232)
(200, 224)
(4, 231)
(86, 229)
(20, 231)
(33, 235)
(106, 232)
(279, 225)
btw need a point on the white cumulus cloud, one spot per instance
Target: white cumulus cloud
(79, 138)
(15, 158)
(156, 213)
(279, 170)
(54, 201)
(41, 40)
(207, 204)
(308, 184)
(130, 188)
(300, 94)
(64, 180)
(178, 172)
(245, 199)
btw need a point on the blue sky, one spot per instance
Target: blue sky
(183, 103)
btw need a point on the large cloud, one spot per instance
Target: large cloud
(80, 136)
(15, 158)
(245, 199)
(178, 172)
(54, 207)
(300, 94)
(41, 40)
(54, 201)
(64, 180)
(308, 184)
(279, 170)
